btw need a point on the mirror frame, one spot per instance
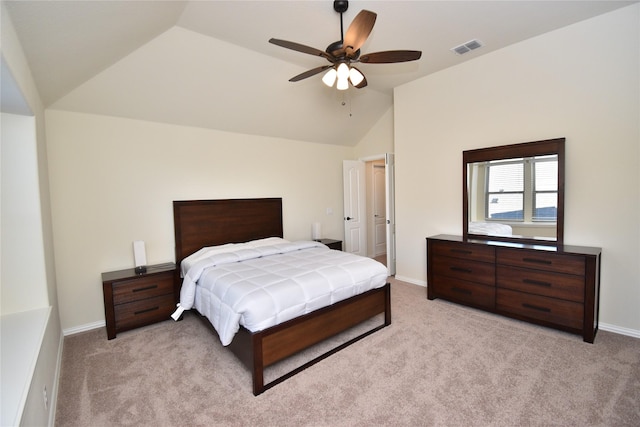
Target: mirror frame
(526, 149)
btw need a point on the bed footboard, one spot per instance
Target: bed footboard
(264, 348)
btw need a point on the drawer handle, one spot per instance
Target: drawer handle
(461, 291)
(461, 270)
(462, 251)
(535, 307)
(146, 288)
(537, 283)
(537, 261)
(146, 310)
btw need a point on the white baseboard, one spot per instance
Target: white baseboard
(619, 330)
(411, 280)
(84, 328)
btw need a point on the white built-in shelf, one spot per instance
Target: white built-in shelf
(21, 336)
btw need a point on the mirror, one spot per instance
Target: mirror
(515, 193)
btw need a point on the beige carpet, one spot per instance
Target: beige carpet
(437, 364)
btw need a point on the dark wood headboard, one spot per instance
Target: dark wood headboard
(201, 223)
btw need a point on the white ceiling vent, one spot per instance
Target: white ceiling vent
(467, 47)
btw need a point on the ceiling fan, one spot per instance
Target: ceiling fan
(345, 52)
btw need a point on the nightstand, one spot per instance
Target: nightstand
(132, 300)
(333, 244)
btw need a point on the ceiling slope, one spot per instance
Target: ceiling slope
(209, 63)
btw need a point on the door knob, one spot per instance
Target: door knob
(348, 218)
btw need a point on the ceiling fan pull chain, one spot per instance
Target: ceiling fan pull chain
(344, 102)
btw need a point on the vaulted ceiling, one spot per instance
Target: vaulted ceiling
(209, 64)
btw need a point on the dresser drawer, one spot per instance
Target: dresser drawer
(550, 261)
(135, 289)
(560, 312)
(143, 312)
(474, 271)
(480, 296)
(466, 251)
(564, 286)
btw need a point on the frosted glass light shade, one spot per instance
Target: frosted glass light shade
(355, 76)
(343, 84)
(343, 71)
(330, 77)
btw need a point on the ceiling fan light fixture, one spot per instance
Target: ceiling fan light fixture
(330, 77)
(343, 71)
(343, 76)
(343, 84)
(355, 76)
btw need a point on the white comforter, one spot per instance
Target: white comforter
(490, 228)
(258, 286)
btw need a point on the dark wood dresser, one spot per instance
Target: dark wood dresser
(132, 300)
(552, 286)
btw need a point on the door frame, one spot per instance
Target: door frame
(389, 160)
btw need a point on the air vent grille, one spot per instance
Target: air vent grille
(467, 47)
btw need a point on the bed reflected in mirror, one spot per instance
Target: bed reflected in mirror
(515, 192)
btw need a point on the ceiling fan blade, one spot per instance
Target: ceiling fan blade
(309, 73)
(301, 48)
(390, 56)
(358, 31)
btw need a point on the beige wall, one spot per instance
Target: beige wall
(581, 82)
(113, 181)
(379, 139)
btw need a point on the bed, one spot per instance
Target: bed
(490, 228)
(210, 223)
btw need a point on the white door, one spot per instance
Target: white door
(379, 210)
(391, 212)
(355, 237)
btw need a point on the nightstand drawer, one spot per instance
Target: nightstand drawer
(145, 311)
(132, 299)
(141, 288)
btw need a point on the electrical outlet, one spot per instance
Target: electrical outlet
(46, 398)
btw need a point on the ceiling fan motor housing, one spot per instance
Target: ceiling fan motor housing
(335, 49)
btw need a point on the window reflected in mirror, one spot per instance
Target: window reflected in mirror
(519, 193)
(515, 192)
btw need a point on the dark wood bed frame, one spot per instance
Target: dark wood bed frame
(201, 223)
